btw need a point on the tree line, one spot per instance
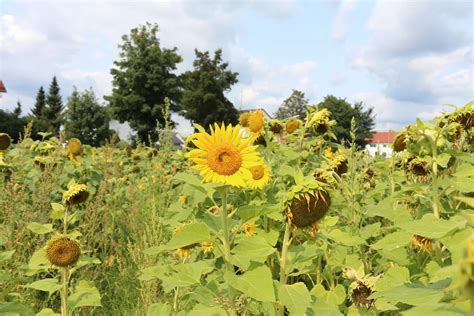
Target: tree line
(142, 77)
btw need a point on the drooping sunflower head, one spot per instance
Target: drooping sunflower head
(323, 176)
(360, 290)
(419, 166)
(224, 156)
(135, 169)
(339, 163)
(5, 141)
(76, 194)
(463, 116)
(244, 119)
(256, 123)
(275, 126)
(74, 146)
(399, 143)
(328, 153)
(62, 251)
(319, 120)
(306, 207)
(292, 125)
(207, 246)
(260, 176)
(249, 229)
(421, 243)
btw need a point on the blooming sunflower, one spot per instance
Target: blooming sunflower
(223, 156)
(256, 123)
(260, 176)
(182, 199)
(62, 251)
(76, 194)
(421, 243)
(249, 229)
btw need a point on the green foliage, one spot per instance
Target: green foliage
(294, 106)
(86, 119)
(204, 101)
(12, 124)
(343, 112)
(40, 104)
(53, 112)
(143, 77)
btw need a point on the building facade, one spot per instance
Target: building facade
(380, 144)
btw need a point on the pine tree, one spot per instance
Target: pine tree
(295, 105)
(86, 119)
(17, 110)
(142, 78)
(204, 99)
(54, 107)
(40, 103)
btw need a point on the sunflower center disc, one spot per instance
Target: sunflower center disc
(257, 172)
(225, 160)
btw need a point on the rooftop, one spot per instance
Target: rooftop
(382, 137)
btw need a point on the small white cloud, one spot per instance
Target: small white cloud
(339, 23)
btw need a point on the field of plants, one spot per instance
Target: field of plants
(262, 218)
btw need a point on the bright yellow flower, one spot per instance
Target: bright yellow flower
(260, 176)
(224, 156)
(249, 229)
(256, 123)
(182, 199)
(207, 246)
(292, 125)
(244, 119)
(328, 153)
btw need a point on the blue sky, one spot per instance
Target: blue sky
(406, 59)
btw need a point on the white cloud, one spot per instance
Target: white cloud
(339, 24)
(421, 54)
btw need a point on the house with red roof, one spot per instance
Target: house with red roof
(380, 143)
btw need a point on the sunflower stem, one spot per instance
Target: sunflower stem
(64, 273)
(226, 244)
(283, 259)
(64, 290)
(435, 188)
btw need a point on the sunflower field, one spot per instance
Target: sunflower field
(262, 218)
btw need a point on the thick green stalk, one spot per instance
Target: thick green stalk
(435, 188)
(226, 243)
(64, 274)
(283, 259)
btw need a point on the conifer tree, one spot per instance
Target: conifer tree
(40, 103)
(54, 107)
(204, 99)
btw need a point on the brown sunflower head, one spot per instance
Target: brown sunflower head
(275, 126)
(63, 251)
(5, 141)
(136, 157)
(74, 146)
(359, 292)
(419, 166)
(339, 163)
(76, 194)
(136, 169)
(260, 140)
(399, 143)
(307, 208)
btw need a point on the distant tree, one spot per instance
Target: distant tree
(204, 101)
(295, 105)
(17, 110)
(40, 103)
(86, 119)
(12, 124)
(142, 77)
(54, 107)
(342, 112)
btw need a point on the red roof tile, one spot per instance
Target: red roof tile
(382, 137)
(2, 87)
